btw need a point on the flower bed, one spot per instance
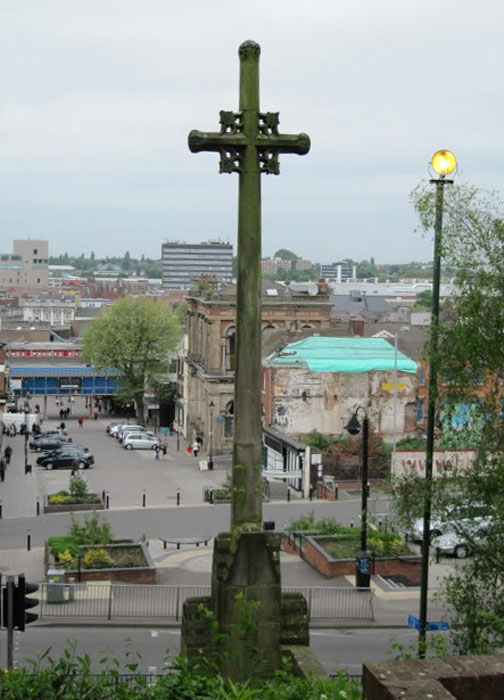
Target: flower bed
(76, 498)
(89, 551)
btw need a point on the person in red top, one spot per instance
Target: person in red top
(80, 421)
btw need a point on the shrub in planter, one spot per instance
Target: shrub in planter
(64, 543)
(221, 494)
(97, 559)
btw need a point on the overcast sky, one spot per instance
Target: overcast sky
(97, 98)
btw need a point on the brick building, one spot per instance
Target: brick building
(206, 372)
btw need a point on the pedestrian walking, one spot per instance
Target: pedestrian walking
(75, 467)
(95, 415)
(66, 413)
(195, 448)
(80, 421)
(3, 468)
(62, 426)
(8, 454)
(189, 450)
(164, 447)
(12, 430)
(61, 413)
(156, 451)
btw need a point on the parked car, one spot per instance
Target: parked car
(111, 425)
(43, 444)
(64, 459)
(144, 431)
(441, 526)
(129, 428)
(140, 441)
(457, 544)
(53, 433)
(114, 431)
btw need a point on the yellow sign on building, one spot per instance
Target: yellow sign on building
(389, 386)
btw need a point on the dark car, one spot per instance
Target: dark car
(43, 444)
(64, 459)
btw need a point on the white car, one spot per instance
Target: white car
(124, 428)
(144, 431)
(456, 545)
(140, 441)
(440, 526)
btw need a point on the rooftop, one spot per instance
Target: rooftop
(322, 354)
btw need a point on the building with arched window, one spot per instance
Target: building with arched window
(207, 372)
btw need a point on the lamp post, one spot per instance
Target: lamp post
(211, 406)
(443, 163)
(363, 561)
(26, 412)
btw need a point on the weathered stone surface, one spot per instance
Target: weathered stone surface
(458, 677)
(303, 660)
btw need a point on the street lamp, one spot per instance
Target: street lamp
(27, 467)
(211, 406)
(363, 561)
(442, 163)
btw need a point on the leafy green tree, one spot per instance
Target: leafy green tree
(425, 298)
(134, 336)
(285, 254)
(366, 269)
(471, 358)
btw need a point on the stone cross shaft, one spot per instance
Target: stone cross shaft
(249, 143)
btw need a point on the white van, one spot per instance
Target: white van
(19, 419)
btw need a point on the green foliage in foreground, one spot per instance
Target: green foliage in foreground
(70, 678)
(93, 530)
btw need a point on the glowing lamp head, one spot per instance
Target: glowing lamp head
(444, 162)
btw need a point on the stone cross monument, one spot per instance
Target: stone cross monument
(246, 568)
(249, 144)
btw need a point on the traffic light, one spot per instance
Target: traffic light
(22, 603)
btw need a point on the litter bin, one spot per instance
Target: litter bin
(55, 588)
(269, 524)
(363, 570)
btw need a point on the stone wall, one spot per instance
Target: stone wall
(455, 678)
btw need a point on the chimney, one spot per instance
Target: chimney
(356, 326)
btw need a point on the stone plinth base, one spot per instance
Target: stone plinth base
(246, 619)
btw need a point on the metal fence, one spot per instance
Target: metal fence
(109, 600)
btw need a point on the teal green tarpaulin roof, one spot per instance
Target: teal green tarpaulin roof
(343, 355)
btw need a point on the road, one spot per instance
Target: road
(341, 648)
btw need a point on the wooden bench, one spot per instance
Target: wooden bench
(185, 541)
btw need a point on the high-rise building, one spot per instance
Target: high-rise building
(338, 271)
(185, 262)
(26, 266)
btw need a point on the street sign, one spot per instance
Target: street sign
(414, 623)
(442, 625)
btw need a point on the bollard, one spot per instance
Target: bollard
(288, 494)
(103, 496)
(28, 541)
(38, 505)
(351, 523)
(311, 493)
(438, 555)
(379, 524)
(1, 514)
(178, 497)
(144, 499)
(107, 501)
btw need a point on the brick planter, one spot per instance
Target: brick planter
(409, 566)
(140, 574)
(71, 507)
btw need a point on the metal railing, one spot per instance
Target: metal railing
(108, 600)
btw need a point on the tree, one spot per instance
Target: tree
(134, 336)
(471, 359)
(425, 298)
(285, 254)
